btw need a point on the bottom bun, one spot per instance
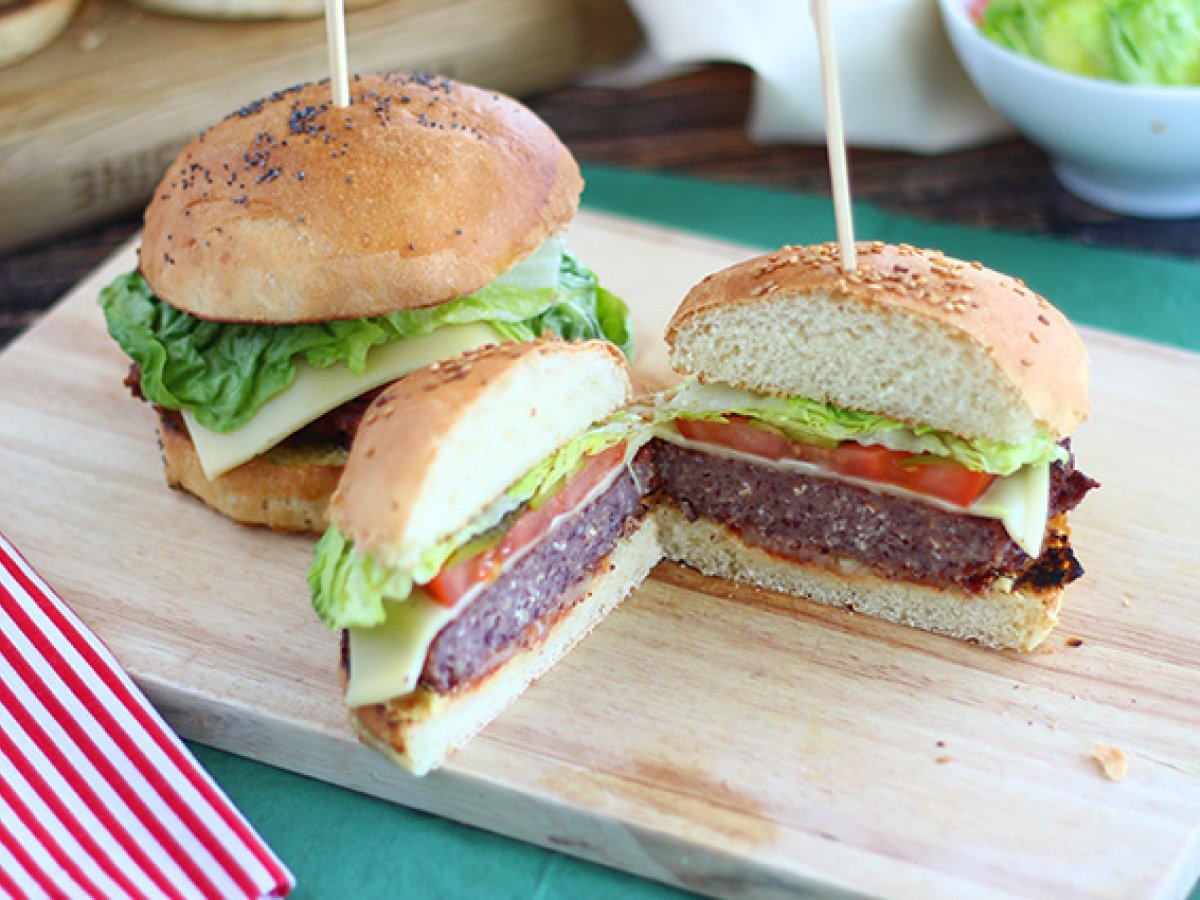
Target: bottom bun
(420, 730)
(27, 27)
(246, 9)
(287, 489)
(1016, 620)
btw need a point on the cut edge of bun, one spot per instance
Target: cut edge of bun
(245, 9)
(912, 334)
(29, 27)
(485, 419)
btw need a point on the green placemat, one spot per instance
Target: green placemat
(340, 844)
(349, 846)
(1139, 294)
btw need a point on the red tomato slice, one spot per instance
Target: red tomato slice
(736, 434)
(454, 582)
(923, 473)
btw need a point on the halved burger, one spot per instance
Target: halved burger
(467, 555)
(894, 440)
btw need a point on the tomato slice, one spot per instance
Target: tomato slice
(923, 473)
(737, 434)
(450, 585)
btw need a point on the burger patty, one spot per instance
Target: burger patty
(808, 518)
(533, 594)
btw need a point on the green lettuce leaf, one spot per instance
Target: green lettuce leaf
(1131, 41)
(225, 372)
(349, 587)
(825, 424)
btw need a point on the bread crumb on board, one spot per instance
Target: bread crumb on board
(1112, 761)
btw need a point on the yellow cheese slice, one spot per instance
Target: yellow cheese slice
(386, 661)
(1021, 501)
(317, 391)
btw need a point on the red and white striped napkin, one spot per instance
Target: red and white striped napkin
(98, 797)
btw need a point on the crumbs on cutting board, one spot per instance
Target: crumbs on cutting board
(1112, 761)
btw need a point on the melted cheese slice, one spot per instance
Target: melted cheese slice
(386, 661)
(317, 391)
(1021, 501)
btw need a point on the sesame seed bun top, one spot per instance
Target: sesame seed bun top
(486, 418)
(912, 334)
(291, 210)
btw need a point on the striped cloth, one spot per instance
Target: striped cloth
(98, 797)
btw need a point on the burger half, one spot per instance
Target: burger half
(298, 256)
(893, 440)
(467, 555)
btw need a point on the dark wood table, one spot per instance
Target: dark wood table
(694, 125)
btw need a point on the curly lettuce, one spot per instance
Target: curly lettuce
(1130, 41)
(225, 372)
(349, 587)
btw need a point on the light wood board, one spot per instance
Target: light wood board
(88, 125)
(707, 735)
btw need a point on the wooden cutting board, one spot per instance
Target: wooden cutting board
(712, 736)
(88, 125)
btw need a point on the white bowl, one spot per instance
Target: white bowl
(1127, 148)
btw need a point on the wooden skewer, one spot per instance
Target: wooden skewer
(335, 30)
(835, 136)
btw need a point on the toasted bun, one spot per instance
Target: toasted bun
(285, 489)
(26, 26)
(1017, 620)
(911, 334)
(291, 210)
(420, 730)
(246, 9)
(438, 446)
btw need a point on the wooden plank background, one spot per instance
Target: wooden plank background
(717, 737)
(88, 125)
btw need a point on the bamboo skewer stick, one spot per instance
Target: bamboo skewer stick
(835, 136)
(335, 30)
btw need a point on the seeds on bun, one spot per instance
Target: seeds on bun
(297, 256)
(912, 333)
(892, 439)
(467, 555)
(423, 190)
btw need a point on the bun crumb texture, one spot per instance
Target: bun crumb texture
(911, 333)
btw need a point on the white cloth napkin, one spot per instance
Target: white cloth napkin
(98, 797)
(902, 87)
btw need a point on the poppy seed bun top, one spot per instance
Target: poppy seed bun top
(292, 210)
(911, 334)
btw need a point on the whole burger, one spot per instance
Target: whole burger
(298, 256)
